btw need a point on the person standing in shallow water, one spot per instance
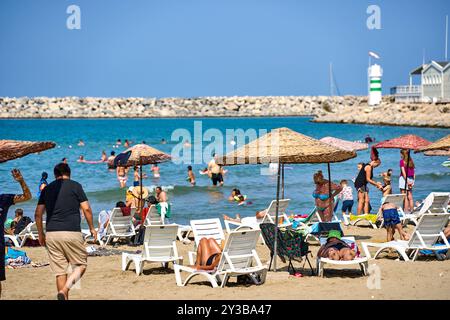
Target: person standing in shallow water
(62, 200)
(6, 201)
(365, 176)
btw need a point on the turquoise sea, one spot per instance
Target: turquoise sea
(203, 201)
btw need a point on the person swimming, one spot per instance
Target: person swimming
(155, 170)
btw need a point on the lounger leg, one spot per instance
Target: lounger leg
(366, 250)
(23, 241)
(139, 266)
(310, 266)
(364, 267)
(271, 259)
(177, 271)
(416, 253)
(224, 280)
(319, 268)
(124, 261)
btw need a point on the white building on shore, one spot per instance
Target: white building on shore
(434, 84)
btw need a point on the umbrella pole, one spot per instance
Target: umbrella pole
(282, 181)
(276, 221)
(329, 188)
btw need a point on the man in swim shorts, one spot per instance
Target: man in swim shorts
(215, 171)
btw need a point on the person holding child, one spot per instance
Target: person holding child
(365, 177)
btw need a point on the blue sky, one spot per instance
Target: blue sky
(161, 48)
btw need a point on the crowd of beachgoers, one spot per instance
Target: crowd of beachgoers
(144, 217)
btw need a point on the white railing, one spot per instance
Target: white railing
(413, 90)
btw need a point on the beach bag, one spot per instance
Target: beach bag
(139, 238)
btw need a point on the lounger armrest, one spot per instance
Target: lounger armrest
(192, 257)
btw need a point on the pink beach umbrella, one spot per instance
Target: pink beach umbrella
(345, 144)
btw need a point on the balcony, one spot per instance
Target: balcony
(411, 93)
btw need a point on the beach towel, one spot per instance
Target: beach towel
(15, 257)
(103, 252)
(163, 209)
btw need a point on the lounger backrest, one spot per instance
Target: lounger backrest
(153, 217)
(159, 240)
(428, 229)
(435, 202)
(207, 228)
(282, 206)
(120, 224)
(397, 199)
(240, 248)
(271, 211)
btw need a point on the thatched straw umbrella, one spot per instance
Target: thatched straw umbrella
(285, 146)
(14, 149)
(409, 142)
(442, 144)
(139, 155)
(438, 153)
(345, 144)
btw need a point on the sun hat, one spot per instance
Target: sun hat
(334, 234)
(136, 191)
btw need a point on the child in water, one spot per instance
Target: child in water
(237, 196)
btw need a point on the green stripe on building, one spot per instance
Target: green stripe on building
(375, 81)
(375, 89)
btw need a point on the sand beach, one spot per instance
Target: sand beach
(426, 278)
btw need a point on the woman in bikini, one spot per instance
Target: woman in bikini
(208, 254)
(122, 176)
(324, 204)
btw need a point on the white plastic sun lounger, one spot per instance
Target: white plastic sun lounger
(29, 232)
(154, 218)
(238, 257)
(119, 226)
(159, 246)
(363, 262)
(428, 231)
(252, 222)
(435, 202)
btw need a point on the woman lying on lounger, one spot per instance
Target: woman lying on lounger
(335, 248)
(208, 254)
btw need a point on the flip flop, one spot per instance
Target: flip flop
(60, 296)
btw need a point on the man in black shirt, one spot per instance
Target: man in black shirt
(62, 200)
(6, 201)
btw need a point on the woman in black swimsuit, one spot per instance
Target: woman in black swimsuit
(364, 177)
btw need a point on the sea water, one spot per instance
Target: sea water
(203, 200)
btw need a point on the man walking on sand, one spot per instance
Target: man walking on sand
(62, 200)
(6, 201)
